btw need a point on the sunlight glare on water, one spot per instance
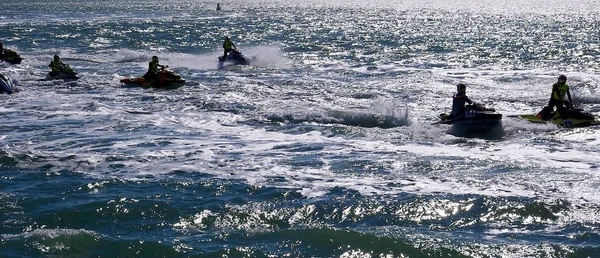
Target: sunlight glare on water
(326, 145)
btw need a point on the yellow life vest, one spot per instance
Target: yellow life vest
(56, 65)
(227, 44)
(153, 67)
(559, 91)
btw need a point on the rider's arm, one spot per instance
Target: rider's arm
(569, 95)
(467, 99)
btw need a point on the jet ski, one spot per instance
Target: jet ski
(11, 56)
(6, 85)
(66, 73)
(167, 79)
(474, 115)
(476, 121)
(233, 58)
(577, 117)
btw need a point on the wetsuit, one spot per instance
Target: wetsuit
(458, 104)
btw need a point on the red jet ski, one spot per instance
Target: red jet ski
(166, 79)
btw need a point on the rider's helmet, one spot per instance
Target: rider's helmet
(56, 57)
(227, 38)
(461, 88)
(155, 59)
(562, 77)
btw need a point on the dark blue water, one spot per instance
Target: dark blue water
(322, 147)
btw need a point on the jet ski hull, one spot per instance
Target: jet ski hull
(142, 82)
(61, 76)
(476, 121)
(11, 56)
(6, 85)
(474, 115)
(475, 118)
(234, 58)
(167, 80)
(66, 73)
(576, 117)
(567, 123)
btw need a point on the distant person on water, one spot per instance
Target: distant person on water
(459, 100)
(228, 46)
(557, 97)
(153, 65)
(56, 65)
(218, 7)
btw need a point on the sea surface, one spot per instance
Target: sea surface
(322, 147)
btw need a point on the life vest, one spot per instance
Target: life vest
(227, 44)
(153, 67)
(56, 65)
(559, 91)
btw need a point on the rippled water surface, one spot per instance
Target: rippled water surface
(322, 147)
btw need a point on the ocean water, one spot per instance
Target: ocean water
(322, 147)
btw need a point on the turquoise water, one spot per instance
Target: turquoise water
(322, 147)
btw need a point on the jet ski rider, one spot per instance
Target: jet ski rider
(153, 65)
(56, 65)
(557, 98)
(228, 46)
(458, 100)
